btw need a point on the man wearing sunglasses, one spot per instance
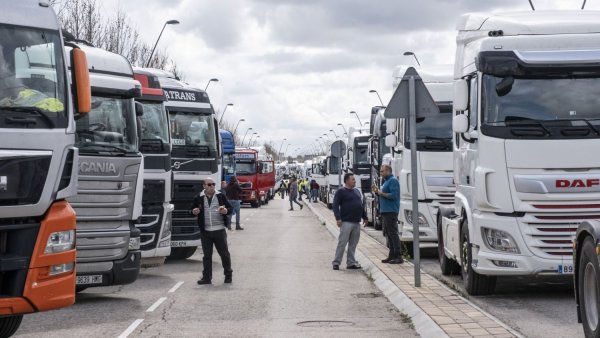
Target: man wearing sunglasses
(212, 209)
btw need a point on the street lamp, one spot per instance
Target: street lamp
(374, 91)
(251, 136)
(413, 54)
(329, 138)
(236, 126)
(334, 134)
(209, 81)
(247, 130)
(279, 152)
(224, 110)
(255, 140)
(286, 148)
(170, 22)
(341, 125)
(353, 112)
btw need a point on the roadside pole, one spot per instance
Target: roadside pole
(412, 125)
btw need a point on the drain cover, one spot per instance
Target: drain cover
(368, 295)
(324, 323)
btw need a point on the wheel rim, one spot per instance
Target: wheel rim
(465, 254)
(590, 290)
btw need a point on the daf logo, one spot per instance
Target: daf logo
(577, 183)
(98, 167)
(3, 183)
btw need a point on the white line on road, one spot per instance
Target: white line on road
(174, 288)
(156, 304)
(131, 328)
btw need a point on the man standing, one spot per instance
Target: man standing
(293, 191)
(314, 190)
(389, 206)
(212, 209)
(348, 211)
(233, 191)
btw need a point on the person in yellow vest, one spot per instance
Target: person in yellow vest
(33, 98)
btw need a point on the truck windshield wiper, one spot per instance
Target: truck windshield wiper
(586, 121)
(109, 146)
(32, 110)
(518, 127)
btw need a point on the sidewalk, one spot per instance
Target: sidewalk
(435, 310)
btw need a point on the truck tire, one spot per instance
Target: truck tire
(377, 224)
(255, 204)
(408, 249)
(589, 292)
(448, 265)
(10, 325)
(78, 289)
(475, 284)
(182, 253)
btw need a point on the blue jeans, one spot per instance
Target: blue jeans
(315, 194)
(236, 210)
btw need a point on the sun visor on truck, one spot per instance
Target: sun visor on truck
(523, 63)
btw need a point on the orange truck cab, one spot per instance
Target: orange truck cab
(256, 176)
(38, 161)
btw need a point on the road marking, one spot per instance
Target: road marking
(156, 304)
(131, 328)
(174, 288)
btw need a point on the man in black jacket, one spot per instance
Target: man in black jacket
(212, 209)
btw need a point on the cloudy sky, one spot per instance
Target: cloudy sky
(295, 68)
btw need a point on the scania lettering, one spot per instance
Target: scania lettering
(38, 161)
(525, 131)
(109, 193)
(155, 223)
(434, 158)
(195, 155)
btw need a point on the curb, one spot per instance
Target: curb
(423, 323)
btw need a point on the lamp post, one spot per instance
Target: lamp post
(334, 134)
(374, 91)
(255, 141)
(414, 55)
(328, 138)
(250, 140)
(170, 22)
(236, 126)
(355, 113)
(341, 125)
(279, 152)
(247, 130)
(208, 83)
(224, 110)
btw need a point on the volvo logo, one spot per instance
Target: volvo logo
(98, 167)
(177, 165)
(3, 183)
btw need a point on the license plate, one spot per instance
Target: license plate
(565, 269)
(178, 244)
(92, 279)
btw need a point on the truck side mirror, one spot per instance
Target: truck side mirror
(81, 81)
(461, 95)
(391, 125)
(391, 141)
(460, 123)
(139, 109)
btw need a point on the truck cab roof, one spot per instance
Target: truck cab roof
(35, 13)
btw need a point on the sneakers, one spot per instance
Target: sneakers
(354, 267)
(398, 260)
(227, 280)
(387, 260)
(239, 228)
(336, 267)
(301, 206)
(204, 281)
(291, 210)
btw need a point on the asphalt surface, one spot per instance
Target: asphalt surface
(283, 286)
(534, 306)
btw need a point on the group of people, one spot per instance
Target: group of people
(304, 187)
(348, 210)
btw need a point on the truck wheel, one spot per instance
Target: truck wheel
(329, 206)
(475, 284)
(182, 253)
(377, 225)
(448, 265)
(78, 289)
(10, 325)
(254, 204)
(408, 249)
(589, 293)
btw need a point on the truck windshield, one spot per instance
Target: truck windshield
(334, 165)
(433, 133)
(228, 164)
(193, 132)
(245, 167)
(557, 106)
(109, 128)
(32, 79)
(155, 129)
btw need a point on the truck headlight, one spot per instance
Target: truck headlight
(134, 243)
(499, 240)
(166, 232)
(60, 241)
(422, 221)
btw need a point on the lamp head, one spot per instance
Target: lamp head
(173, 22)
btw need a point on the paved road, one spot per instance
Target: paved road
(536, 307)
(282, 278)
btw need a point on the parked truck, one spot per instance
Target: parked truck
(195, 156)
(228, 151)
(255, 175)
(356, 158)
(38, 161)
(526, 129)
(155, 145)
(109, 192)
(434, 158)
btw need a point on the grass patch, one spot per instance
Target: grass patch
(323, 223)
(370, 277)
(407, 320)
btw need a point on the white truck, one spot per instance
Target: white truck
(526, 134)
(434, 157)
(333, 174)
(356, 159)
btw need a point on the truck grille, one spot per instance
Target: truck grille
(551, 235)
(150, 226)
(17, 240)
